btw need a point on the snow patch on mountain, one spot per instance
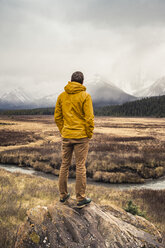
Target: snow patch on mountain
(16, 96)
(102, 92)
(156, 89)
(106, 93)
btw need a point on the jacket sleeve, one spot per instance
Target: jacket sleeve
(58, 116)
(89, 116)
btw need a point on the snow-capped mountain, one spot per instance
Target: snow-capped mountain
(47, 101)
(19, 99)
(102, 93)
(156, 89)
(16, 95)
(16, 98)
(106, 93)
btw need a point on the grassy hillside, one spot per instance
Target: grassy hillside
(21, 192)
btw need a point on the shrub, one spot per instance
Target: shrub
(159, 171)
(133, 209)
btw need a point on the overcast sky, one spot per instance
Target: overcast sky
(43, 41)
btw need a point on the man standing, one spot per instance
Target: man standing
(75, 120)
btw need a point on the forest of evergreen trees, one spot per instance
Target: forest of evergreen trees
(150, 107)
(36, 111)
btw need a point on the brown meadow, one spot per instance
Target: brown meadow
(122, 150)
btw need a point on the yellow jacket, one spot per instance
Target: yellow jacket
(74, 112)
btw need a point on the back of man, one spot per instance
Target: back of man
(75, 120)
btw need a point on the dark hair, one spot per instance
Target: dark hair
(77, 77)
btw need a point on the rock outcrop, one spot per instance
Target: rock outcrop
(63, 225)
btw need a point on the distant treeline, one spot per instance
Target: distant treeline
(150, 106)
(36, 111)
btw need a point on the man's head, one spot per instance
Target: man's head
(77, 77)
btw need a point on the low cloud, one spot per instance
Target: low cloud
(45, 41)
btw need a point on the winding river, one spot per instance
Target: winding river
(150, 184)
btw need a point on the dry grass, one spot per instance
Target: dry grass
(20, 192)
(17, 194)
(122, 149)
(9, 138)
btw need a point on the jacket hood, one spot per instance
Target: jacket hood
(74, 87)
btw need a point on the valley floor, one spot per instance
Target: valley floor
(122, 150)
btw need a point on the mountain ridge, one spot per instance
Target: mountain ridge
(102, 93)
(155, 89)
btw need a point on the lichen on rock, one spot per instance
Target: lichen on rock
(35, 237)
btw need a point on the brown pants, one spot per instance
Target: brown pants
(80, 148)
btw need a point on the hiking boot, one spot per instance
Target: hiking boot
(65, 198)
(83, 203)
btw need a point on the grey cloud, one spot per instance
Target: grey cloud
(103, 13)
(48, 39)
(111, 13)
